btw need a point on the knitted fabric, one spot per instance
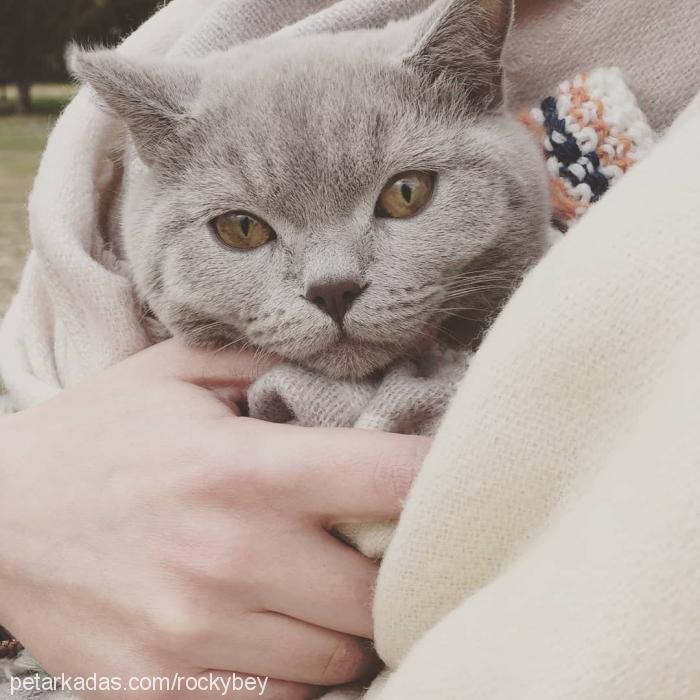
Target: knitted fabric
(592, 133)
(408, 398)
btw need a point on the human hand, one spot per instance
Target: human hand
(148, 531)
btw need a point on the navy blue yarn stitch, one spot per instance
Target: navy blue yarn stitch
(567, 152)
(549, 106)
(571, 177)
(598, 183)
(595, 160)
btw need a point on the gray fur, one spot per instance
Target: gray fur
(305, 133)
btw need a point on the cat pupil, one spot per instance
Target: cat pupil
(245, 225)
(407, 192)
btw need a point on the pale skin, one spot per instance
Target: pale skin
(147, 530)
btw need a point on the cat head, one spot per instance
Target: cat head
(338, 200)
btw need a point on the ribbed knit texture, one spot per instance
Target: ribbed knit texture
(409, 398)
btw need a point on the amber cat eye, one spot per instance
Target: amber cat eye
(237, 229)
(405, 195)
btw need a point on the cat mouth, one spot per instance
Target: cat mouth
(346, 342)
(348, 356)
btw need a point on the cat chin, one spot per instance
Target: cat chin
(350, 361)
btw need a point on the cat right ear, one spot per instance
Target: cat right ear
(152, 99)
(461, 41)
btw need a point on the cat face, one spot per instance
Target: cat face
(340, 201)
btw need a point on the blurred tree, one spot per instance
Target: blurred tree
(35, 34)
(108, 21)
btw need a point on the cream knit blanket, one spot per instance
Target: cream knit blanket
(551, 546)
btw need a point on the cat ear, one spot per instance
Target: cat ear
(462, 42)
(152, 99)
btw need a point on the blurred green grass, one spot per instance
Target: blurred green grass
(22, 140)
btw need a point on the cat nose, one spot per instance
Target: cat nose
(334, 298)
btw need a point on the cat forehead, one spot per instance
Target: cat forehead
(310, 80)
(294, 130)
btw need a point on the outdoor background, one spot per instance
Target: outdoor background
(34, 88)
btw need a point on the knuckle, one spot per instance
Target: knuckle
(395, 470)
(173, 623)
(346, 662)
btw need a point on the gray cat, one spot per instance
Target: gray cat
(344, 201)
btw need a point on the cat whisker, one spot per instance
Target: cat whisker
(452, 310)
(480, 279)
(466, 291)
(259, 356)
(210, 326)
(462, 317)
(228, 346)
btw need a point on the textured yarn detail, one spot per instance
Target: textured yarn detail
(592, 132)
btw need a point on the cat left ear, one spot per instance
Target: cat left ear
(152, 99)
(462, 43)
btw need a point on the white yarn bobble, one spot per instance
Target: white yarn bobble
(587, 140)
(578, 170)
(553, 166)
(583, 193)
(612, 172)
(537, 116)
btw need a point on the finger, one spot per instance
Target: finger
(218, 684)
(208, 368)
(360, 476)
(333, 584)
(273, 645)
(340, 475)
